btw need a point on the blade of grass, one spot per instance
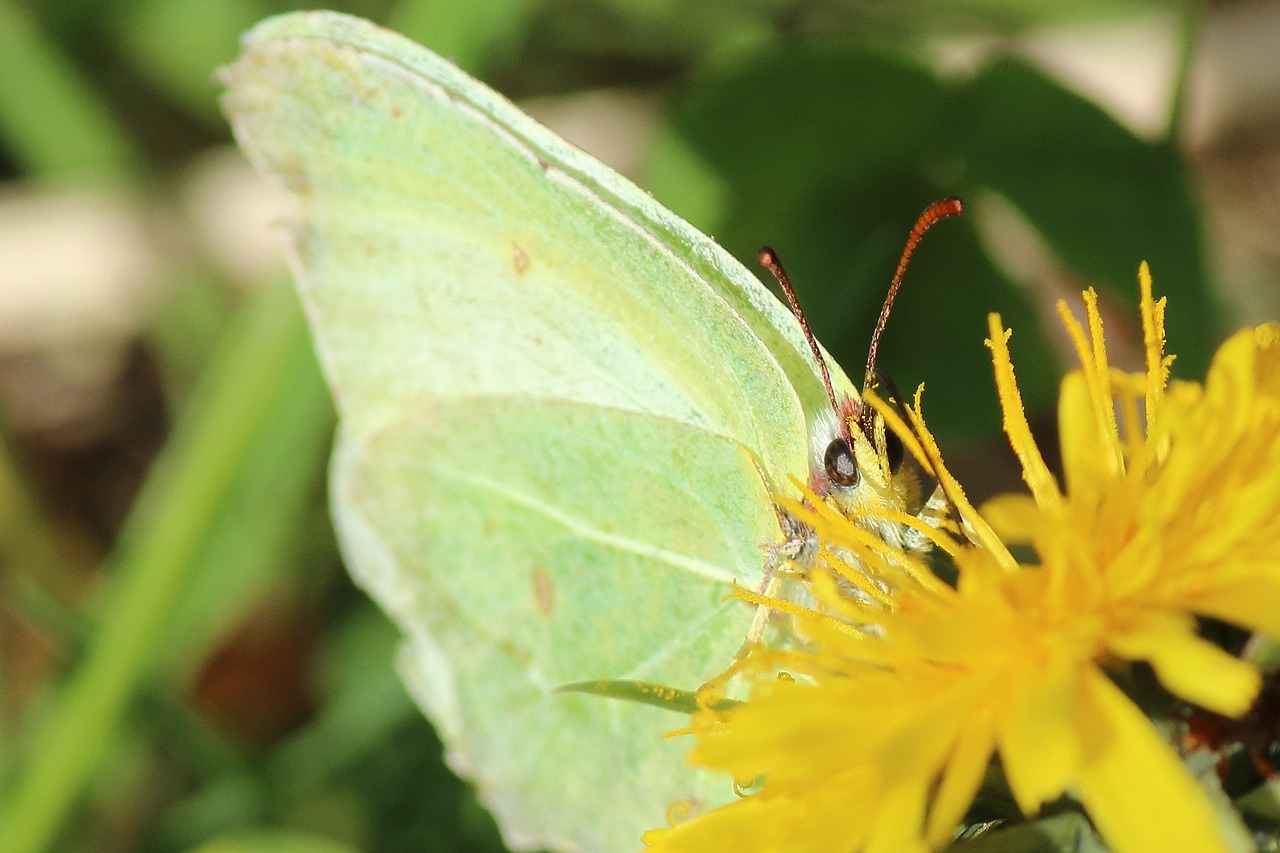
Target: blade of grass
(50, 118)
(265, 354)
(41, 570)
(263, 531)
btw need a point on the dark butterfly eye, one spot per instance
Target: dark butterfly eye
(842, 470)
(893, 451)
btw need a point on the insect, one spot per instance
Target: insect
(856, 464)
(564, 414)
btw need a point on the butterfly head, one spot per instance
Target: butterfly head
(856, 464)
(858, 469)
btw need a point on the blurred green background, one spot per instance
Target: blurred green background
(183, 662)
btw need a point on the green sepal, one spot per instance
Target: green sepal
(647, 693)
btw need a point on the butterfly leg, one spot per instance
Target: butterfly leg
(934, 513)
(797, 542)
(796, 539)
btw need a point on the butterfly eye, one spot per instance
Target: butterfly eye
(893, 451)
(842, 470)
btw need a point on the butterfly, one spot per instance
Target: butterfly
(564, 417)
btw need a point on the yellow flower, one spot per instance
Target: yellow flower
(877, 739)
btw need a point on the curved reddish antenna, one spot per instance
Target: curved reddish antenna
(769, 260)
(943, 209)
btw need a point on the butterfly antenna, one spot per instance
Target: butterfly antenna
(769, 260)
(938, 210)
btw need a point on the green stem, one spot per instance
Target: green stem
(265, 353)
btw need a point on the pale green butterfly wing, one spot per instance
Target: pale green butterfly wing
(559, 407)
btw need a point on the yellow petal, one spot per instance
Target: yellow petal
(978, 529)
(752, 823)
(1016, 518)
(897, 822)
(1188, 666)
(1252, 601)
(829, 817)
(1096, 373)
(1133, 786)
(965, 769)
(1038, 745)
(1034, 470)
(1153, 344)
(1087, 465)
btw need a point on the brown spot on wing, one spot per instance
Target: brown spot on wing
(544, 591)
(519, 258)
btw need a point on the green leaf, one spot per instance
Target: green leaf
(473, 35)
(1069, 832)
(1263, 801)
(177, 43)
(825, 151)
(1102, 198)
(787, 124)
(274, 841)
